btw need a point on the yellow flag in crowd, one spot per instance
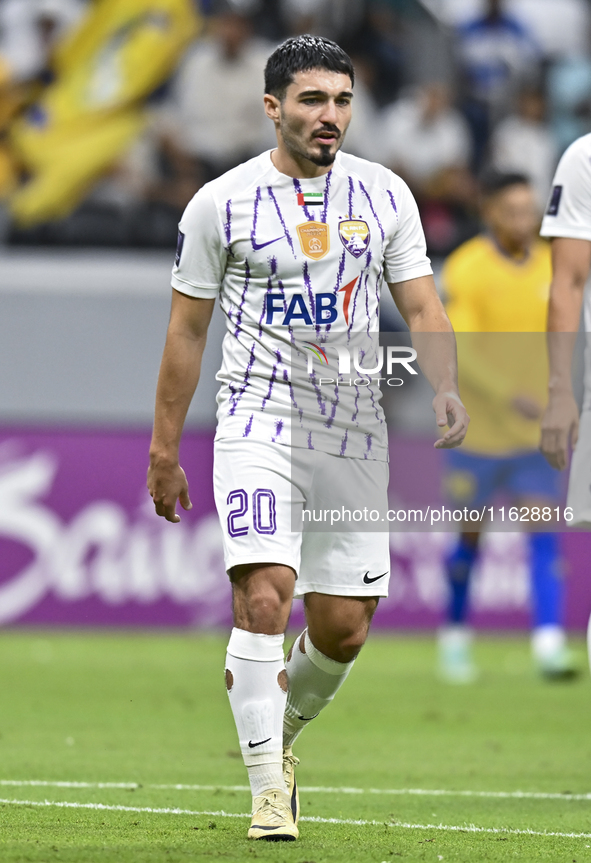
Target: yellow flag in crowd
(86, 119)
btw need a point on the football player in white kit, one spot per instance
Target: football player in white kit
(568, 223)
(295, 245)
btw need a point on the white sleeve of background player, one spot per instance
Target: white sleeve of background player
(405, 256)
(201, 256)
(569, 208)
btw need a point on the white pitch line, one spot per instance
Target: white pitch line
(220, 813)
(312, 789)
(56, 784)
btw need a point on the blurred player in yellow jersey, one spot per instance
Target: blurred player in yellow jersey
(498, 282)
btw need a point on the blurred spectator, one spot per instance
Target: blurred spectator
(524, 144)
(497, 53)
(364, 137)
(425, 137)
(427, 141)
(569, 91)
(408, 46)
(28, 29)
(214, 118)
(335, 19)
(560, 27)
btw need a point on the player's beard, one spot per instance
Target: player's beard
(297, 147)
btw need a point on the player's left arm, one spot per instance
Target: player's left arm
(435, 343)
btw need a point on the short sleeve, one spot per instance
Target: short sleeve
(200, 262)
(569, 208)
(405, 256)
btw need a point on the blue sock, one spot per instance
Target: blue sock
(547, 584)
(458, 567)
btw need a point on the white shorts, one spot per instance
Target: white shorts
(579, 483)
(261, 492)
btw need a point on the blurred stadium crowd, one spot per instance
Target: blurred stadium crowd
(114, 112)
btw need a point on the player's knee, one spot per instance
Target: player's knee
(346, 643)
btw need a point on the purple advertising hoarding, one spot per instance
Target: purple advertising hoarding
(80, 544)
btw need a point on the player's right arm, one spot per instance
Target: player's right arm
(571, 260)
(178, 378)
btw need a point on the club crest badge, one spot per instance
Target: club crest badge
(314, 239)
(355, 236)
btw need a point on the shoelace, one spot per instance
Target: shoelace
(271, 807)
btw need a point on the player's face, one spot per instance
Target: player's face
(512, 216)
(314, 115)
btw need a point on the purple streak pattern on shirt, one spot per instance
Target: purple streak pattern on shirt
(351, 190)
(228, 224)
(273, 267)
(255, 216)
(334, 404)
(320, 401)
(311, 297)
(278, 430)
(392, 201)
(295, 406)
(371, 207)
(326, 196)
(344, 442)
(375, 404)
(281, 219)
(238, 393)
(248, 427)
(356, 411)
(240, 311)
(272, 379)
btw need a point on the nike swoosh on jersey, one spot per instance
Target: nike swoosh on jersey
(376, 578)
(252, 745)
(256, 246)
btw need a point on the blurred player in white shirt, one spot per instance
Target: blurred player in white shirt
(568, 223)
(295, 244)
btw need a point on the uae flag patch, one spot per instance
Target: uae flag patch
(305, 199)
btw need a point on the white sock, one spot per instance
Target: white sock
(547, 641)
(257, 687)
(314, 679)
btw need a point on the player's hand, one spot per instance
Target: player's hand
(449, 411)
(560, 428)
(528, 408)
(167, 483)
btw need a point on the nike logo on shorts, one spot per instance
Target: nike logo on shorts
(252, 745)
(256, 246)
(368, 580)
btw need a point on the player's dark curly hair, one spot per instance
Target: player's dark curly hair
(493, 181)
(300, 54)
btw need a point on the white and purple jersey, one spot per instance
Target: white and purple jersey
(568, 215)
(298, 266)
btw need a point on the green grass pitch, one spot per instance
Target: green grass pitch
(150, 712)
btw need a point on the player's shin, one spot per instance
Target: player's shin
(314, 679)
(257, 687)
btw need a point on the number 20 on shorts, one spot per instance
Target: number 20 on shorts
(263, 511)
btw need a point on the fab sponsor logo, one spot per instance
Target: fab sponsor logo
(355, 236)
(298, 309)
(314, 239)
